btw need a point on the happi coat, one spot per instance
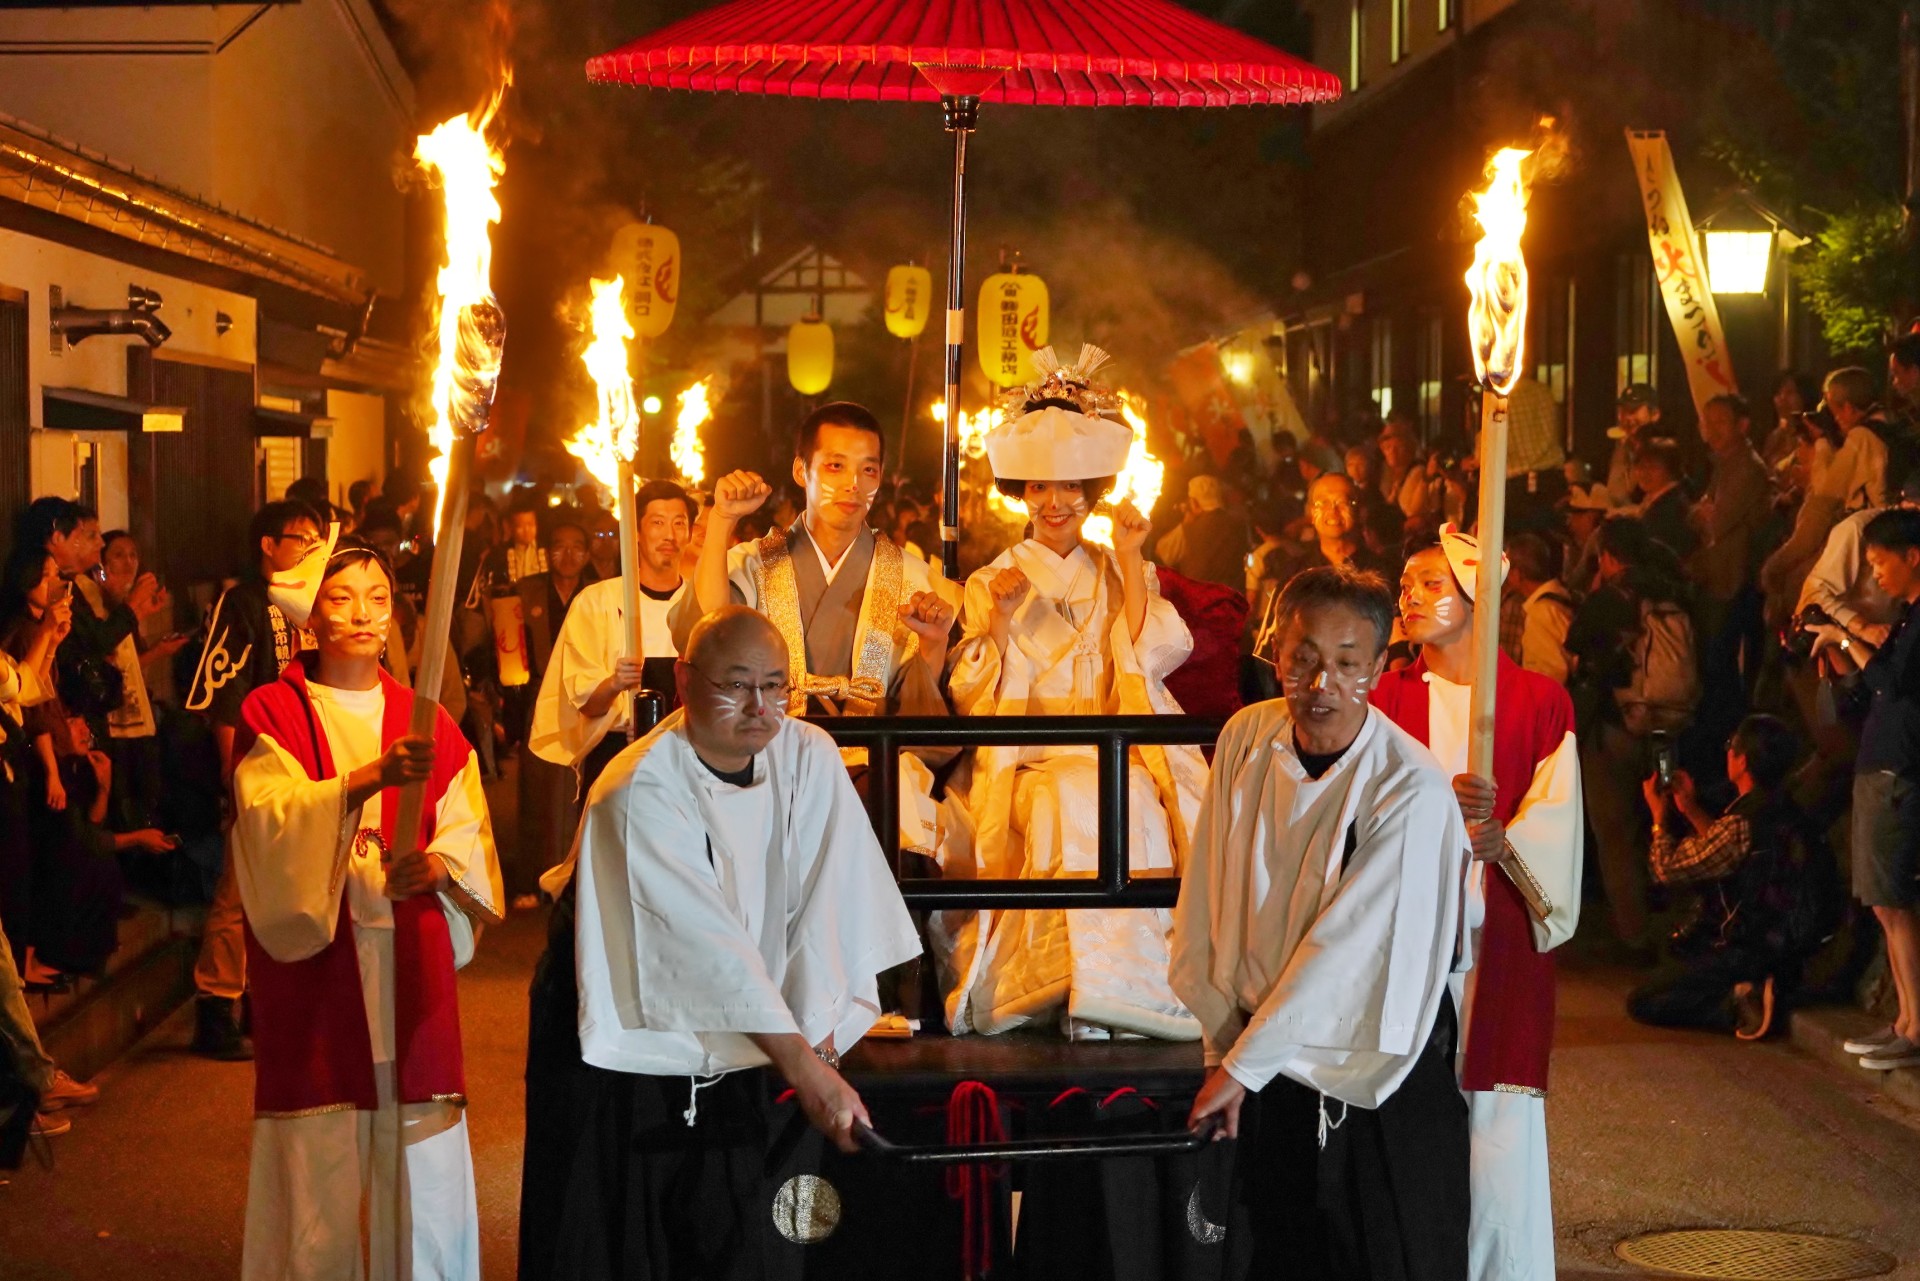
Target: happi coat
(1297, 960)
(1033, 810)
(354, 1005)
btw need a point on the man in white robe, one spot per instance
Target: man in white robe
(1525, 821)
(583, 714)
(1317, 928)
(352, 956)
(730, 912)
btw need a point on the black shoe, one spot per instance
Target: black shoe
(216, 1034)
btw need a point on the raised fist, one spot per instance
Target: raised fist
(1009, 587)
(928, 617)
(739, 494)
(1130, 528)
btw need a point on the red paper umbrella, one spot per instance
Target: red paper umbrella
(960, 53)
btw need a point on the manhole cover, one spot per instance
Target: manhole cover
(1755, 1256)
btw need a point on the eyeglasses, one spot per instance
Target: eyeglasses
(307, 541)
(774, 694)
(1333, 504)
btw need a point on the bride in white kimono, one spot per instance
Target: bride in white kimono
(1061, 626)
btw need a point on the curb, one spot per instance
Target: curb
(1822, 1031)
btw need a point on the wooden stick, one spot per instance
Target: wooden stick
(436, 628)
(629, 575)
(1491, 532)
(1492, 535)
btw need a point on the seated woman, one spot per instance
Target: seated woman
(1059, 625)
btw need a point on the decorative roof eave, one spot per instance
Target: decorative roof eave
(64, 179)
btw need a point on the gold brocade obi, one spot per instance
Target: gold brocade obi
(878, 636)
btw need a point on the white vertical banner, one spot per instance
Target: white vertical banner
(1680, 269)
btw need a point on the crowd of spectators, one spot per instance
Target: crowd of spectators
(1726, 601)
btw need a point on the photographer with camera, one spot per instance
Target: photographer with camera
(1885, 679)
(1765, 882)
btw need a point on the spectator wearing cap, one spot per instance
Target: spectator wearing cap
(1403, 481)
(1536, 455)
(1664, 507)
(1587, 508)
(1210, 545)
(1886, 776)
(1635, 414)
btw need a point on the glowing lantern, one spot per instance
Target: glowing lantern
(909, 300)
(648, 259)
(1013, 325)
(810, 356)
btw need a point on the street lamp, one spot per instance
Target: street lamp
(1740, 235)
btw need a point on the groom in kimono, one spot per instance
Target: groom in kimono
(866, 630)
(1527, 817)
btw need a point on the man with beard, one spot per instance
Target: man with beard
(584, 714)
(1529, 811)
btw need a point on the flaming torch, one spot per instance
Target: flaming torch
(689, 455)
(471, 332)
(608, 444)
(1497, 323)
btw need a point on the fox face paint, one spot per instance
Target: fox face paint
(1433, 608)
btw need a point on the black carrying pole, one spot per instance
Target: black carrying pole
(962, 112)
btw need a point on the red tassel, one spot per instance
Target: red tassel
(973, 1116)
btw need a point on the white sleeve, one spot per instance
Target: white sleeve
(1547, 833)
(583, 657)
(463, 838)
(1833, 575)
(291, 839)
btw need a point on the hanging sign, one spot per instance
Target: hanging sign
(909, 300)
(1681, 271)
(1013, 325)
(647, 257)
(810, 356)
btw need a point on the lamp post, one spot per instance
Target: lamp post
(1743, 242)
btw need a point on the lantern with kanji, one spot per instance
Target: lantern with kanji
(810, 356)
(647, 257)
(909, 300)
(1013, 325)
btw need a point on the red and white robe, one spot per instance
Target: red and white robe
(1506, 1005)
(354, 1007)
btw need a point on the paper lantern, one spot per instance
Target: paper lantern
(647, 257)
(810, 356)
(909, 300)
(1013, 325)
(510, 640)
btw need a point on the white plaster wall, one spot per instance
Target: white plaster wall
(358, 447)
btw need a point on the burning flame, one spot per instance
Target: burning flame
(1139, 480)
(470, 326)
(689, 456)
(972, 430)
(1497, 280)
(614, 434)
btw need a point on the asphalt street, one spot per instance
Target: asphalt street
(1649, 1130)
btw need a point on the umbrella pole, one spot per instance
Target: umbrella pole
(962, 112)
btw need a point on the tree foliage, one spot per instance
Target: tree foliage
(1852, 275)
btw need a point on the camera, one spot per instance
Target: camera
(1663, 758)
(1818, 424)
(1796, 641)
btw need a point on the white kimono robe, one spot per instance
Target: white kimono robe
(1293, 965)
(706, 911)
(1510, 1237)
(312, 1177)
(1033, 810)
(584, 654)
